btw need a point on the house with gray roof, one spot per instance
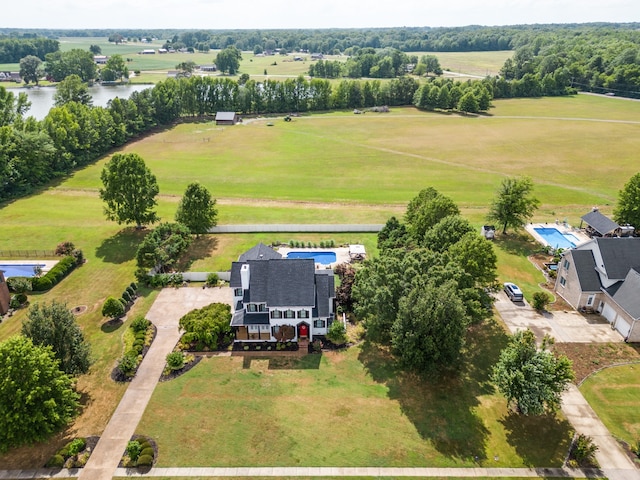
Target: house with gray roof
(603, 275)
(277, 298)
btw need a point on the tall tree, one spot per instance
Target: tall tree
(130, 190)
(197, 210)
(514, 204)
(54, 325)
(162, 247)
(31, 69)
(531, 378)
(228, 60)
(116, 68)
(627, 210)
(426, 210)
(477, 257)
(36, 397)
(72, 89)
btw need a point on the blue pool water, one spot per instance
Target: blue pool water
(556, 239)
(25, 270)
(324, 258)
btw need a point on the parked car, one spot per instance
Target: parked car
(513, 292)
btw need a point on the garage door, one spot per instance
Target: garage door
(609, 313)
(623, 327)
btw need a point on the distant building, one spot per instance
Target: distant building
(208, 68)
(227, 118)
(5, 296)
(148, 51)
(100, 59)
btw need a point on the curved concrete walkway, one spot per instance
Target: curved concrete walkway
(165, 314)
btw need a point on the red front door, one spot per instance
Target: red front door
(303, 331)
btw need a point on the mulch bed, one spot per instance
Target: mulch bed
(588, 358)
(153, 444)
(118, 376)
(176, 373)
(79, 310)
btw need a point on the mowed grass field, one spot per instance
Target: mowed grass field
(327, 168)
(614, 394)
(348, 408)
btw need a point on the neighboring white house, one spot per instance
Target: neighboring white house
(603, 275)
(270, 292)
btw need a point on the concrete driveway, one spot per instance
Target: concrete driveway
(563, 326)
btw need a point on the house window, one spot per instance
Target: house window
(303, 314)
(276, 314)
(237, 292)
(590, 300)
(566, 264)
(254, 328)
(252, 307)
(563, 281)
(275, 329)
(318, 324)
(289, 314)
(264, 328)
(262, 307)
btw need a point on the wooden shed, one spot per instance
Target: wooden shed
(226, 118)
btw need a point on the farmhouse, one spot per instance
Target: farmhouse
(100, 59)
(227, 118)
(280, 299)
(603, 275)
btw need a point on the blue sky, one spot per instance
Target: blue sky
(218, 14)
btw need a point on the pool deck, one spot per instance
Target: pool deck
(48, 264)
(563, 228)
(342, 253)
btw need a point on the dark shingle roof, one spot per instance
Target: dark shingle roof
(600, 223)
(325, 290)
(243, 318)
(619, 255)
(585, 266)
(627, 295)
(290, 282)
(259, 252)
(234, 281)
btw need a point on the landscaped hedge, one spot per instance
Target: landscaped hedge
(55, 275)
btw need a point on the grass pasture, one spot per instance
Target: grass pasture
(348, 408)
(334, 167)
(614, 394)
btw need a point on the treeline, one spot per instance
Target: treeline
(74, 134)
(13, 49)
(591, 61)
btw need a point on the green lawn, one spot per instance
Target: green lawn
(351, 408)
(614, 394)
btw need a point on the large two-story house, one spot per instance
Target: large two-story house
(271, 293)
(603, 275)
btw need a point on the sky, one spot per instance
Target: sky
(263, 14)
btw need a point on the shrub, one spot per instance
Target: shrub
(140, 324)
(337, 333)
(14, 302)
(147, 451)
(76, 446)
(175, 360)
(584, 450)
(145, 461)
(78, 255)
(126, 297)
(292, 243)
(133, 450)
(57, 461)
(64, 248)
(128, 363)
(142, 275)
(309, 245)
(133, 286)
(112, 308)
(212, 279)
(131, 291)
(331, 244)
(53, 276)
(19, 284)
(541, 300)
(321, 243)
(317, 345)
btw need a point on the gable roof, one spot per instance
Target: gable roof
(259, 252)
(619, 255)
(226, 116)
(585, 266)
(627, 294)
(325, 290)
(600, 222)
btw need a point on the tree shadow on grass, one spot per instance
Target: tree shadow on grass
(121, 247)
(517, 244)
(112, 325)
(524, 434)
(203, 246)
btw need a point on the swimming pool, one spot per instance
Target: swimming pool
(556, 239)
(19, 270)
(324, 258)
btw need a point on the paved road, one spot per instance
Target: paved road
(166, 311)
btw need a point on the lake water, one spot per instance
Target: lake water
(42, 97)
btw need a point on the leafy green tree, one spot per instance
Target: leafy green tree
(627, 211)
(197, 210)
(112, 308)
(117, 66)
(187, 67)
(468, 103)
(60, 65)
(431, 64)
(36, 398)
(430, 327)
(130, 190)
(337, 333)
(393, 235)
(31, 69)
(54, 325)
(72, 89)
(12, 108)
(446, 233)
(228, 60)
(541, 300)
(207, 327)
(477, 257)
(163, 246)
(426, 210)
(95, 49)
(531, 378)
(514, 204)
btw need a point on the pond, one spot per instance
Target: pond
(42, 97)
